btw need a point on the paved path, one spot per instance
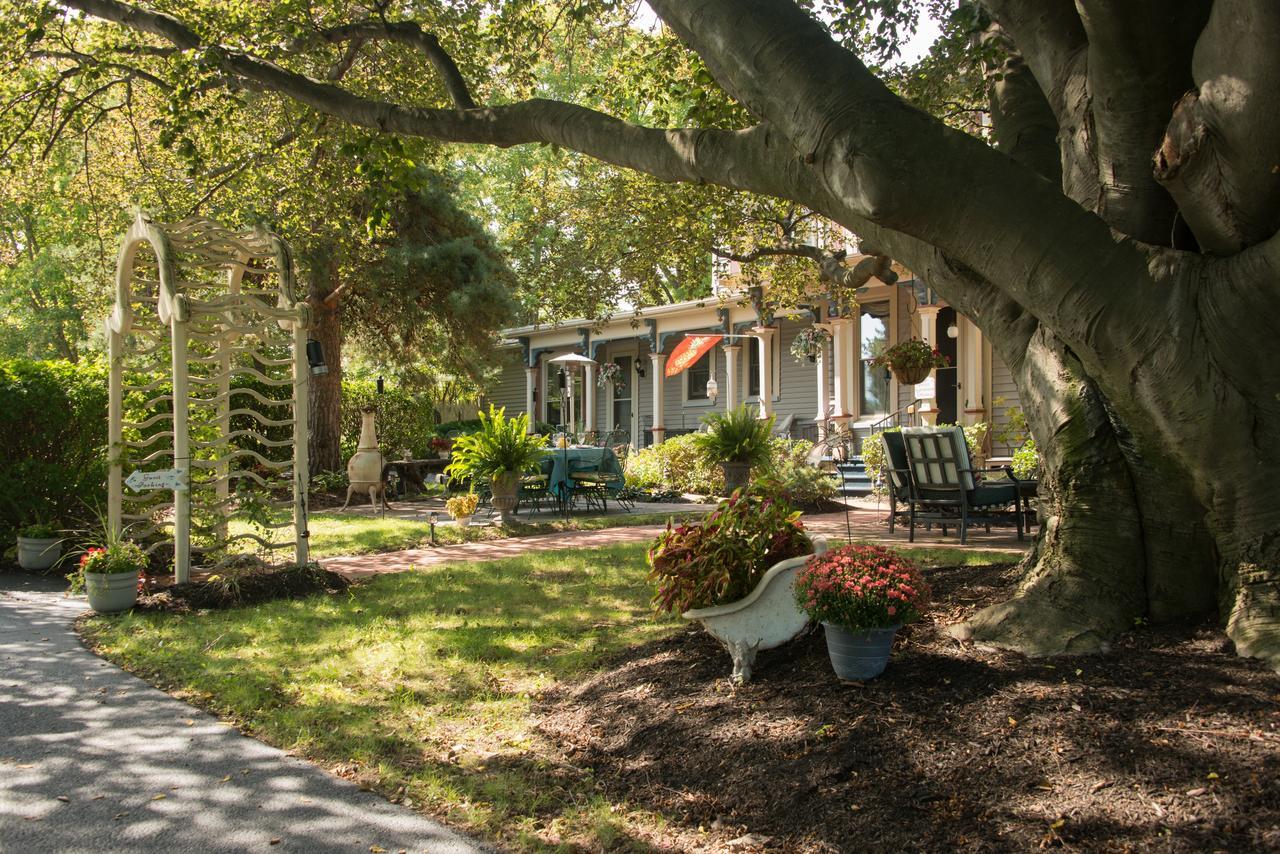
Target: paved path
(92, 759)
(864, 523)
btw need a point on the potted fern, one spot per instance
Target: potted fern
(736, 440)
(498, 453)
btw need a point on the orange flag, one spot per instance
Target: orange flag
(689, 351)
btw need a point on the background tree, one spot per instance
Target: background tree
(1129, 278)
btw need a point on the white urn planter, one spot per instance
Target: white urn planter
(766, 617)
(110, 593)
(38, 553)
(462, 521)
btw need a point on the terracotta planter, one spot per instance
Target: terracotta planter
(912, 375)
(38, 553)
(506, 494)
(110, 593)
(859, 655)
(736, 476)
(766, 617)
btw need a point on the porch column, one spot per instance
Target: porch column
(731, 352)
(589, 399)
(764, 334)
(658, 366)
(530, 394)
(824, 400)
(842, 356)
(970, 370)
(928, 390)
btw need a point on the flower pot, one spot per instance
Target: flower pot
(38, 553)
(112, 592)
(859, 655)
(766, 617)
(462, 521)
(736, 476)
(913, 374)
(506, 494)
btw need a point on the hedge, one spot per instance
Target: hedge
(53, 418)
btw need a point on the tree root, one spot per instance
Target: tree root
(1254, 622)
(1050, 617)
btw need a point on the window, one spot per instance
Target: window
(753, 368)
(696, 376)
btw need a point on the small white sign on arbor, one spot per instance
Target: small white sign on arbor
(207, 347)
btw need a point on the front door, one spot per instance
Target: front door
(623, 401)
(945, 378)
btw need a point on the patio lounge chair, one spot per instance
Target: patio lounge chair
(945, 489)
(897, 475)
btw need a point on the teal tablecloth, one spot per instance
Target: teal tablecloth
(566, 461)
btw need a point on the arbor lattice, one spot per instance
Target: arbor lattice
(207, 346)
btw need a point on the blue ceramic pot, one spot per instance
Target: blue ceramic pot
(859, 655)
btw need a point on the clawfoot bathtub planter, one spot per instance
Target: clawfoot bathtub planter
(766, 617)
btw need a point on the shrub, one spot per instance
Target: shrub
(1026, 460)
(791, 475)
(860, 587)
(874, 460)
(39, 531)
(405, 420)
(53, 416)
(674, 465)
(722, 557)
(473, 425)
(736, 436)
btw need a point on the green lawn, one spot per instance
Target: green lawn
(334, 534)
(422, 682)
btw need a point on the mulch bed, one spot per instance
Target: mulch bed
(1171, 743)
(236, 589)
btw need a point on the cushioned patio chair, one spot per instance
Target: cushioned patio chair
(946, 490)
(897, 476)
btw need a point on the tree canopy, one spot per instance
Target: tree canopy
(1112, 231)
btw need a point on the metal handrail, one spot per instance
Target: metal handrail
(893, 419)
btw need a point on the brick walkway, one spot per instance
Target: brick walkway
(865, 524)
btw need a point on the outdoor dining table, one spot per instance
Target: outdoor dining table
(565, 461)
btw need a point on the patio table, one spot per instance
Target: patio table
(565, 462)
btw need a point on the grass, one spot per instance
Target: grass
(421, 684)
(334, 534)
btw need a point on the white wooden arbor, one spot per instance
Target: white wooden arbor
(208, 340)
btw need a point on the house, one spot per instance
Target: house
(754, 363)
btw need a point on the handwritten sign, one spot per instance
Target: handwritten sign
(139, 481)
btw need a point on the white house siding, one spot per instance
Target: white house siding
(509, 390)
(798, 385)
(1002, 385)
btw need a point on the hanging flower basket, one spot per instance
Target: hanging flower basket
(809, 342)
(912, 374)
(610, 372)
(911, 361)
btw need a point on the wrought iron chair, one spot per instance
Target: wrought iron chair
(946, 490)
(897, 476)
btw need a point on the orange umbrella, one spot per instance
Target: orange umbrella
(690, 350)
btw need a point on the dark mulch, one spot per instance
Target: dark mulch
(1170, 743)
(238, 588)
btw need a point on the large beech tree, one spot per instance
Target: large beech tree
(1117, 243)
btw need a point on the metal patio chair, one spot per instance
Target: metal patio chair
(946, 490)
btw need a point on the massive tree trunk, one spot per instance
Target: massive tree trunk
(326, 389)
(1149, 370)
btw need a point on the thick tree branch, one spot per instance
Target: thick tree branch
(1023, 123)
(1139, 64)
(1218, 156)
